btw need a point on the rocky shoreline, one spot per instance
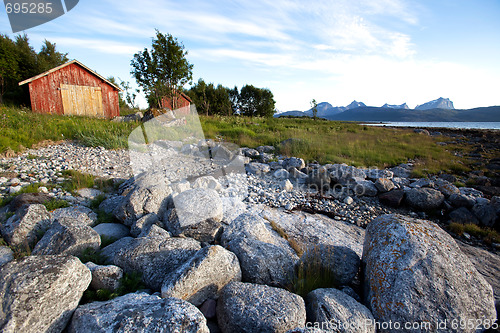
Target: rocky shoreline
(222, 245)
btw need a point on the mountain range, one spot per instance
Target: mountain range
(441, 109)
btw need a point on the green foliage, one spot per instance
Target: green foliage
(254, 101)
(163, 70)
(77, 180)
(310, 276)
(31, 188)
(337, 142)
(293, 244)
(210, 100)
(106, 240)
(314, 107)
(54, 204)
(49, 58)
(103, 217)
(3, 242)
(129, 283)
(19, 61)
(488, 235)
(6, 200)
(91, 255)
(22, 250)
(94, 203)
(21, 127)
(100, 295)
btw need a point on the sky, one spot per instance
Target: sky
(336, 51)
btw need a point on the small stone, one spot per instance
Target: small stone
(287, 185)
(348, 200)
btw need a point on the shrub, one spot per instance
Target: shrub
(106, 240)
(310, 276)
(54, 204)
(77, 180)
(91, 255)
(94, 203)
(129, 283)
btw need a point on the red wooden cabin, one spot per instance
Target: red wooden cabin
(73, 89)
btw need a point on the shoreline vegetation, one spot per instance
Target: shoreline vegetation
(313, 140)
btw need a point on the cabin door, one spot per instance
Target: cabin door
(82, 100)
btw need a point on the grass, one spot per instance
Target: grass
(54, 204)
(338, 142)
(310, 276)
(292, 242)
(488, 235)
(94, 203)
(129, 283)
(23, 128)
(323, 141)
(77, 180)
(106, 240)
(92, 255)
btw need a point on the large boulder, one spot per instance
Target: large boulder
(257, 168)
(40, 293)
(415, 272)
(138, 312)
(6, 255)
(155, 257)
(393, 198)
(263, 263)
(339, 263)
(23, 228)
(208, 182)
(488, 265)
(293, 162)
(265, 257)
(143, 224)
(82, 214)
(111, 251)
(446, 188)
(462, 215)
(202, 276)
(252, 226)
(105, 277)
(424, 198)
(109, 205)
(199, 209)
(363, 187)
(332, 310)
(343, 174)
(112, 230)
(248, 308)
(68, 237)
(28, 199)
(149, 194)
(486, 213)
(384, 185)
(319, 179)
(305, 230)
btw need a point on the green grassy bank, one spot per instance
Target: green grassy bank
(323, 141)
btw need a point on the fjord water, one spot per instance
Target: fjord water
(457, 125)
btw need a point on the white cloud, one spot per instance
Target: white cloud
(100, 45)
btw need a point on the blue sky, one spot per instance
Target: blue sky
(374, 51)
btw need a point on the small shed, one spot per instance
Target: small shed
(180, 103)
(73, 89)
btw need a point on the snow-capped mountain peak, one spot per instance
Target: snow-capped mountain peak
(440, 103)
(392, 106)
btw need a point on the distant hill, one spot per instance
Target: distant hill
(325, 110)
(440, 103)
(402, 106)
(491, 113)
